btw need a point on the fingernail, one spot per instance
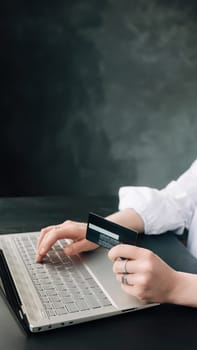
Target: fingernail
(41, 251)
(38, 258)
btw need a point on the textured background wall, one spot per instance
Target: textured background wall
(96, 94)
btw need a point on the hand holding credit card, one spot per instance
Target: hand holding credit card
(107, 233)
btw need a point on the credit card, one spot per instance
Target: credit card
(108, 234)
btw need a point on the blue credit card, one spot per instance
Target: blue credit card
(107, 233)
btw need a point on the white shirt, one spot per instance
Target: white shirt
(172, 208)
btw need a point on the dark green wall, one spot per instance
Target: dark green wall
(96, 94)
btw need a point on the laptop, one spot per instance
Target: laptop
(64, 291)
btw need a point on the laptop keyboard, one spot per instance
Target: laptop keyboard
(63, 283)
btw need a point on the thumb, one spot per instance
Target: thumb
(79, 246)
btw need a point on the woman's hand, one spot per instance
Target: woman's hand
(143, 274)
(76, 231)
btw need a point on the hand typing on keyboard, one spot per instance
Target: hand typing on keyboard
(74, 231)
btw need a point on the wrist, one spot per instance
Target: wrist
(184, 289)
(128, 218)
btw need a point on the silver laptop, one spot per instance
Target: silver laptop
(61, 291)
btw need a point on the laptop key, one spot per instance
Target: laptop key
(57, 305)
(105, 302)
(92, 302)
(66, 300)
(51, 292)
(82, 305)
(71, 307)
(45, 300)
(92, 283)
(54, 298)
(48, 306)
(51, 312)
(61, 311)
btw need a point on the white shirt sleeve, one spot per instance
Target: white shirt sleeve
(171, 208)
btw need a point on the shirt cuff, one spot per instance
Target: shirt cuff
(158, 213)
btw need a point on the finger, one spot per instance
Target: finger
(130, 287)
(48, 240)
(129, 280)
(131, 284)
(122, 250)
(132, 266)
(69, 229)
(79, 246)
(125, 251)
(44, 231)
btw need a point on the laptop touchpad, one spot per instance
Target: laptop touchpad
(101, 267)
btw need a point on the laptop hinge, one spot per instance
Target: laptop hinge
(10, 293)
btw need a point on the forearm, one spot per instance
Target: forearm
(128, 218)
(185, 290)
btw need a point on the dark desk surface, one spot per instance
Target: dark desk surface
(161, 327)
